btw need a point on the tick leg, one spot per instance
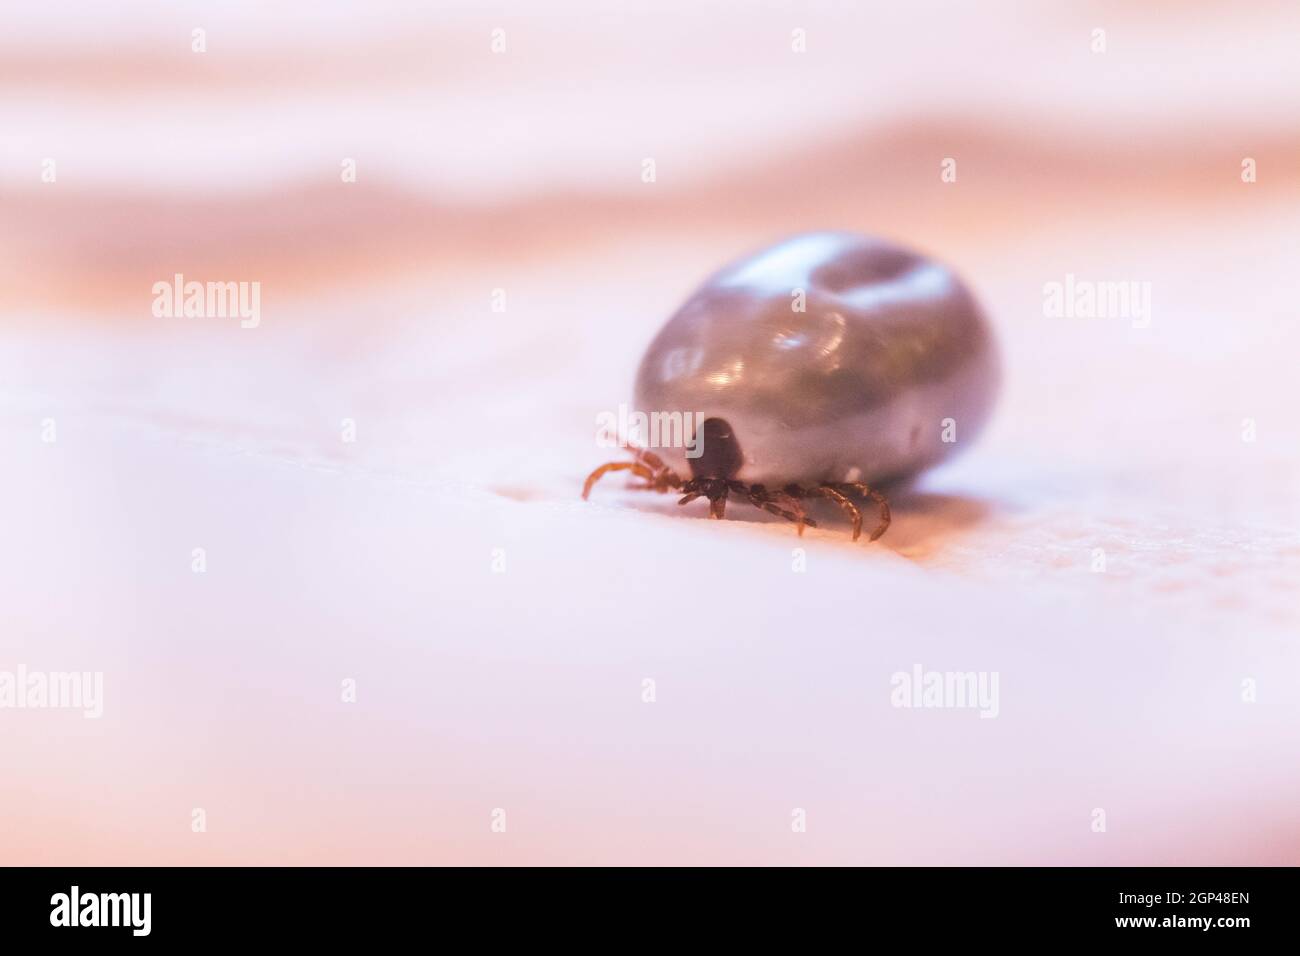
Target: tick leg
(826, 491)
(664, 477)
(638, 469)
(644, 464)
(715, 489)
(760, 497)
(692, 489)
(861, 488)
(649, 458)
(718, 500)
(662, 482)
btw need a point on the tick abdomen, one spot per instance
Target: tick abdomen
(832, 357)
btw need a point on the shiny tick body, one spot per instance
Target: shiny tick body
(819, 364)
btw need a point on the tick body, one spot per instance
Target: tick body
(820, 367)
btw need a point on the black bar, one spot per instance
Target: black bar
(334, 905)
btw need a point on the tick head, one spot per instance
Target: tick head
(718, 451)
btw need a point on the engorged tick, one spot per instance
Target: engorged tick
(816, 365)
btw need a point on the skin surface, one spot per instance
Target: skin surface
(856, 387)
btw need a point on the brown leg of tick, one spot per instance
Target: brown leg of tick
(862, 489)
(718, 504)
(663, 481)
(715, 489)
(644, 464)
(692, 490)
(826, 491)
(760, 497)
(839, 494)
(638, 469)
(718, 489)
(655, 464)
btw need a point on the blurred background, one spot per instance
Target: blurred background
(461, 256)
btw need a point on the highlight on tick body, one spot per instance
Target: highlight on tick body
(630, 428)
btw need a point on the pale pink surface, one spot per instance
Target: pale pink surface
(522, 690)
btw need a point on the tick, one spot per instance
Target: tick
(820, 367)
